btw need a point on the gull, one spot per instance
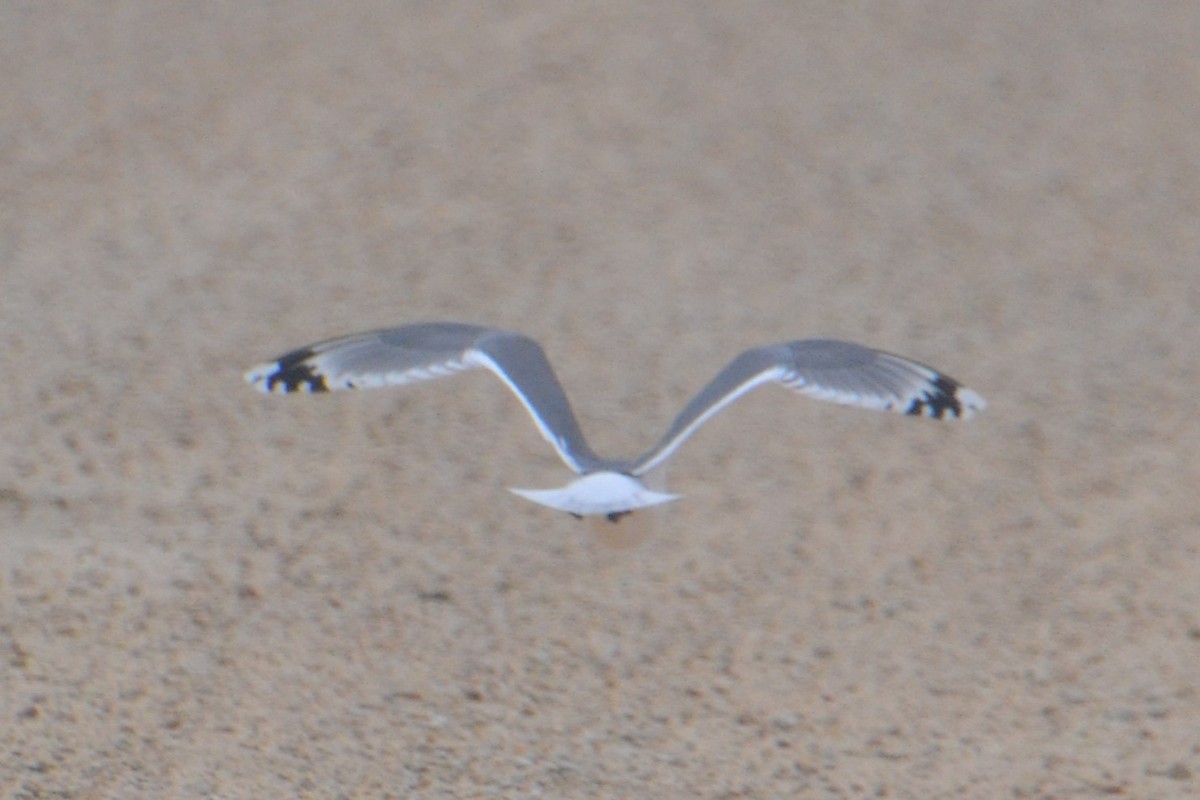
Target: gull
(827, 369)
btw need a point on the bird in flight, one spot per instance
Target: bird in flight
(827, 369)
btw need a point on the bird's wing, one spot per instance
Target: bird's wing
(840, 372)
(410, 353)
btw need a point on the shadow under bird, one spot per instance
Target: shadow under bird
(827, 369)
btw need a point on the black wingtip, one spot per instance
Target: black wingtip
(294, 372)
(938, 401)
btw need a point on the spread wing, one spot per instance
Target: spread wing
(840, 372)
(410, 353)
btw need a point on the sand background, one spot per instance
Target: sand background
(210, 593)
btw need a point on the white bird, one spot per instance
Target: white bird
(840, 372)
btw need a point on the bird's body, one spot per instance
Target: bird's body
(836, 371)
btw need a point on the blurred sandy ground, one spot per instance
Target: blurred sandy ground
(206, 592)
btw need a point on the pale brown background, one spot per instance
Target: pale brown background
(208, 592)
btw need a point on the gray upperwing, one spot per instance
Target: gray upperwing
(390, 357)
(522, 364)
(748, 370)
(425, 351)
(826, 369)
(839, 372)
(850, 374)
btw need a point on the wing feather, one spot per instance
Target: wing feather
(825, 369)
(426, 351)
